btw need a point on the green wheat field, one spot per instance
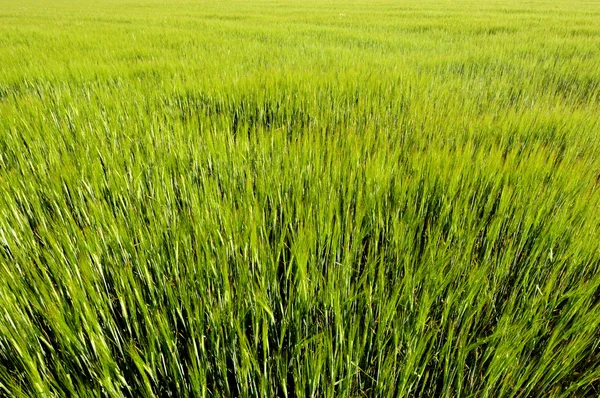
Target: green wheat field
(284, 198)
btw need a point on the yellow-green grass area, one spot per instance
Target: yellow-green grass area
(299, 198)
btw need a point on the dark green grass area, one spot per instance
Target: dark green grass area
(301, 199)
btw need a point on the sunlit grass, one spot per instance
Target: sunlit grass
(299, 199)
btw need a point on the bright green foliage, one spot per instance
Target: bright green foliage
(291, 198)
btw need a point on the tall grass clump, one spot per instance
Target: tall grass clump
(324, 199)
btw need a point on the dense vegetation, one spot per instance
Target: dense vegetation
(289, 198)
